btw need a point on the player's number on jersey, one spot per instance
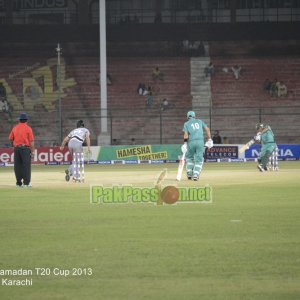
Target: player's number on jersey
(195, 126)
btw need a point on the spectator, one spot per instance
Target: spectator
(225, 70)
(209, 70)
(201, 49)
(282, 90)
(141, 88)
(193, 46)
(157, 74)
(108, 79)
(149, 100)
(273, 88)
(133, 141)
(216, 137)
(185, 45)
(206, 49)
(267, 85)
(236, 71)
(148, 90)
(2, 91)
(4, 105)
(164, 104)
(225, 140)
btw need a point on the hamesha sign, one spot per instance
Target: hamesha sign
(141, 153)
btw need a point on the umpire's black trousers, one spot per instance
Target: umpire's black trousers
(22, 165)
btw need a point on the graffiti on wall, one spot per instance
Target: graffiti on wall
(41, 88)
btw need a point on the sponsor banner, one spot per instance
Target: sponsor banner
(140, 152)
(41, 155)
(131, 162)
(222, 152)
(49, 155)
(144, 161)
(237, 160)
(157, 161)
(6, 155)
(104, 162)
(285, 152)
(55, 163)
(117, 162)
(52, 163)
(35, 4)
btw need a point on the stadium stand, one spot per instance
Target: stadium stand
(236, 105)
(245, 102)
(127, 109)
(80, 95)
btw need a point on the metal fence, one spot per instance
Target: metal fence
(234, 123)
(157, 126)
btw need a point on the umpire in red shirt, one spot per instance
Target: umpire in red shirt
(22, 139)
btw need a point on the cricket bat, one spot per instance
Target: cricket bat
(161, 177)
(180, 167)
(246, 146)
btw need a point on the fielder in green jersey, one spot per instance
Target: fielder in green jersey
(194, 144)
(265, 136)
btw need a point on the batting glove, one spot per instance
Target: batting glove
(257, 138)
(184, 148)
(209, 144)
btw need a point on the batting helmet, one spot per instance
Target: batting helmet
(80, 124)
(191, 114)
(259, 126)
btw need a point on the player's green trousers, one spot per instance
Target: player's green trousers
(265, 153)
(194, 158)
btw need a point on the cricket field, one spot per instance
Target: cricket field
(245, 244)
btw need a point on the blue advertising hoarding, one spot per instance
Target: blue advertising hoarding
(285, 152)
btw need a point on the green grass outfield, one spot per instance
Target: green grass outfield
(244, 245)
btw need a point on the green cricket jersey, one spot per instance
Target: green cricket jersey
(195, 128)
(267, 137)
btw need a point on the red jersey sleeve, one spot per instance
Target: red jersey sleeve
(11, 135)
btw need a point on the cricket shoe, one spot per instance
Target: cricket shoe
(67, 177)
(196, 178)
(189, 176)
(260, 168)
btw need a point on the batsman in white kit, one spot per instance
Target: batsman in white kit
(75, 139)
